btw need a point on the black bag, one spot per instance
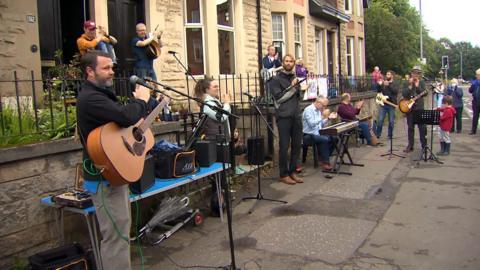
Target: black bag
(176, 163)
(68, 257)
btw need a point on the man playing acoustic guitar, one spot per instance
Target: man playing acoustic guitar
(97, 105)
(415, 87)
(140, 44)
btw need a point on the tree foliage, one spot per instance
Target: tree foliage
(392, 34)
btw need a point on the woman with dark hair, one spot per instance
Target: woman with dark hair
(217, 123)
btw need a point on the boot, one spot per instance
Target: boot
(442, 149)
(447, 149)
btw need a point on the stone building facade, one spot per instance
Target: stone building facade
(212, 38)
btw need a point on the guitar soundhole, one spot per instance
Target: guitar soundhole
(137, 135)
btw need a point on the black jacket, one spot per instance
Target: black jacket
(97, 106)
(410, 93)
(278, 84)
(270, 64)
(391, 91)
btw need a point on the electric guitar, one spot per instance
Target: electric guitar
(381, 99)
(119, 153)
(405, 105)
(267, 74)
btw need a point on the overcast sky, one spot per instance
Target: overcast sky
(456, 20)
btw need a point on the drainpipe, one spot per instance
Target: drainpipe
(259, 44)
(339, 58)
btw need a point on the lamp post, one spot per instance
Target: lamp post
(421, 30)
(461, 64)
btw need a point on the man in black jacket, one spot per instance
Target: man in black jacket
(387, 87)
(414, 87)
(289, 119)
(97, 105)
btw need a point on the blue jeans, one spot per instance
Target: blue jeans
(365, 132)
(384, 110)
(146, 72)
(325, 145)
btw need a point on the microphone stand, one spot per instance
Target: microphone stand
(221, 137)
(187, 73)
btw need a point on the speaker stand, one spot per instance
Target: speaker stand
(259, 197)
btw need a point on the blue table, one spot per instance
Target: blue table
(160, 185)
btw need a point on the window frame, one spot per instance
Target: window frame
(320, 57)
(230, 29)
(283, 40)
(297, 30)
(360, 56)
(351, 63)
(200, 26)
(350, 8)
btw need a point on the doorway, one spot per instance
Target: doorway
(123, 16)
(331, 59)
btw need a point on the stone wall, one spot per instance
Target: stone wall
(251, 30)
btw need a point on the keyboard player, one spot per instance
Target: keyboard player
(348, 112)
(315, 117)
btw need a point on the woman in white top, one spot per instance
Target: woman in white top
(217, 123)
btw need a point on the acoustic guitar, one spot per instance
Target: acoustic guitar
(154, 49)
(119, 153)
(405, 105)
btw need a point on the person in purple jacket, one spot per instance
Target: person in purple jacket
(475, 91)
(348, 112)
(300, 69)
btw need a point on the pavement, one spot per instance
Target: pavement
(390, 214)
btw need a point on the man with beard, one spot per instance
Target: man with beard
(414, 87)
(97, 105)
(143, 63)
(387, 87)
(286, 93)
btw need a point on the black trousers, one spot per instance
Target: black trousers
(289, 134)
(457, 120)
(476, 112)
(422, 129)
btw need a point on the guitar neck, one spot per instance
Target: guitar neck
(420, 95)
(151, 117)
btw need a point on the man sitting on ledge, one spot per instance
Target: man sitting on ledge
(315, 117)
(348, 112)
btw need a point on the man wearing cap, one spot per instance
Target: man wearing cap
(475, 91)
(143, 63)
(414, 87)
(89, 40)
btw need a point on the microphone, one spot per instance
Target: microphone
(172, 52)
(248, 95)
(136, 80)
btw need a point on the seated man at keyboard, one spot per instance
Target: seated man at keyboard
(315, 117)
(348, 112)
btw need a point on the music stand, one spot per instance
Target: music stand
(390, 152)
(427, 117)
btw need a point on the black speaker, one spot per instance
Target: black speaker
(148, 177)
(256, 150)
(205, 153)
(221, 148)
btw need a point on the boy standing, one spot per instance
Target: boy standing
(447, 113)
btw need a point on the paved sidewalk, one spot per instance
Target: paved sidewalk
(388, 215)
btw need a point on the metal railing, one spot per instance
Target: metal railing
(44, 109)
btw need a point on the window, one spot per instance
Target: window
(194, 37)
(350, 56)
(278, 33)
(297, 32)
(348, 6)
(359, 7)
(319, 50)
(226, 37)
(360, 56)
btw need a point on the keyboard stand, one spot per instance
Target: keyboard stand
(342, 149)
